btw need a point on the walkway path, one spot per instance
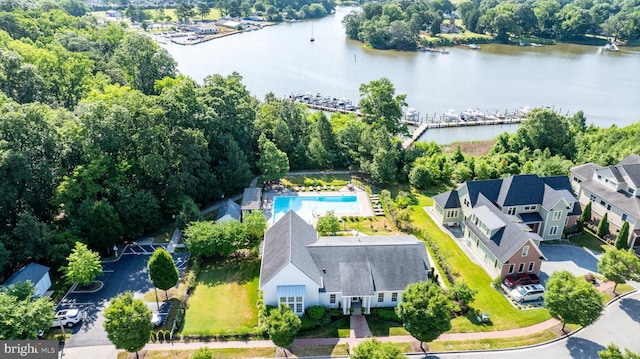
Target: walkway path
(359, 328)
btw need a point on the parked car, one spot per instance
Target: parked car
(515, 280)
(528, 292)
(67, 317)
(156, 320)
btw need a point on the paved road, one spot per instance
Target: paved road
(129, 273)
(620, 324)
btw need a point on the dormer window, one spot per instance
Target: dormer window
(511, 211)
(525, 251)
(557, 215)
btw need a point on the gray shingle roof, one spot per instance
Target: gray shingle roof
(520, 190)
(285, 243)
(626, 202)
(32, 271)
(585, 171)
(508, 240)
(251, 199)
(229, 209)
(384, 263)
(353, 266)
(449, 199)
(631, 159)
(633, 173)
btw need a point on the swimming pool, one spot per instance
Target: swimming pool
(307, 206)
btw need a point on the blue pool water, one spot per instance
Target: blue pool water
(306, 207)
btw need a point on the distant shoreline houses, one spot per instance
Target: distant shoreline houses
(614, 190)
(504, 220)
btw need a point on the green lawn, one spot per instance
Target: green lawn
(224, 299)
(588, 240)
(383, 328)
(503, 315)
(495, 343)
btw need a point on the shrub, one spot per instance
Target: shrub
(308, 323)
(388, 314)
(316, 312)
(335, 312)
(203, 353)
(497, 282)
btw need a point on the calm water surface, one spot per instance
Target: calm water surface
(282, 60)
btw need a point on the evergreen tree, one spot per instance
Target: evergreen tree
(163, 271)
(603, 226)
(586, 214)
(622, 240)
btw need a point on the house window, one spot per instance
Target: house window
(602, 203)
(525, 251)
(295, 303)
(511, 211)
(380, 297)
(553, 230)
(556, 215)
(477, 242)
(532, 207)
(394, 297)
(521, 268)
(332, 299)
(531, 266)
(624, 216)
(495, 264)
(511, 268)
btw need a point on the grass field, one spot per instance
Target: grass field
(337, 329)
(503, 315)
(224, 299)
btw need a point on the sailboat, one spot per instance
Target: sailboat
(312, 39)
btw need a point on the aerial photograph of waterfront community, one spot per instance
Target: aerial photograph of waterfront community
(319, 178)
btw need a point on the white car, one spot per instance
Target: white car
(528, 292)
(67, 317)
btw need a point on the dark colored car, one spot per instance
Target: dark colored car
(515, 280)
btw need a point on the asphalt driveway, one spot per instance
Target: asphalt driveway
(576, 260)
(129, 273)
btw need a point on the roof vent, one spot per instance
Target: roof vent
(324, 270)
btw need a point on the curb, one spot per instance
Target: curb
(527, 346)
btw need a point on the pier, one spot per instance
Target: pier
(411, 117)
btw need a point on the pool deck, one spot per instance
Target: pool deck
(363, 199)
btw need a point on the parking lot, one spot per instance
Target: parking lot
(128, 273)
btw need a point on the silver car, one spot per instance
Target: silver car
(67, 317)
(528, 292)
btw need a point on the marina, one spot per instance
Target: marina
(412, 117)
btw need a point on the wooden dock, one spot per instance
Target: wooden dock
(417, 133)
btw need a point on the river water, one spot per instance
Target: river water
(281, 59)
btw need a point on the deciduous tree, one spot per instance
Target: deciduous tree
(282, 324)
(375, 349)
(273, 163)
(613, 352)
(425, 311)
(328, 223)
(381, 106)
(572, 300)
(83, 265)
(22, 315)
(127, 322)
(619, 265)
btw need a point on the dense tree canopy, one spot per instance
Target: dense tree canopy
(21, 314)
